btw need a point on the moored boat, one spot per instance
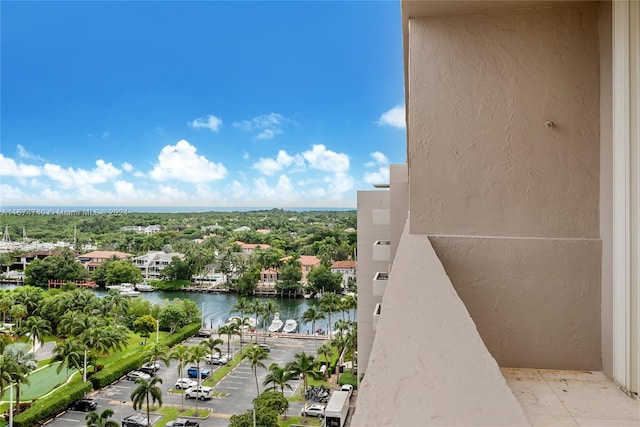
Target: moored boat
(276, 324)
(290, 326)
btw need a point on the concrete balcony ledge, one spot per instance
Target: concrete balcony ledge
(381, 250)
(428, 364)
(380, 283)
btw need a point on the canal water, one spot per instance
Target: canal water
(217, 307)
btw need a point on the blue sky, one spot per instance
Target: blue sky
(203, 104)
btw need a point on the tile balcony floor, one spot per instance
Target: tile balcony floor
(571, 398)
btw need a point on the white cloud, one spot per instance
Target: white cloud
(395, 117)
(378, 159)
(381, 176)
(269, 166)
(210, 122)
(9, 167)
(23, 153)
(181, 162)
(339, 183)
(128, 167)
(326, 160)
(267, 125)
(71, 177)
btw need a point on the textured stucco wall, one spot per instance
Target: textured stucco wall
(536, 302)
(482, 88)
(514, 203)
(428, 366)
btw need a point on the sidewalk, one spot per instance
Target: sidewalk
(45, 351)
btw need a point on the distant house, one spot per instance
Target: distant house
(263, 231)
(21, 261)
(243, 228)
(346, 268)
(150, 229)
(308, 262)
(153, 262)
(248, 248)
(268, 277)
(92, 260)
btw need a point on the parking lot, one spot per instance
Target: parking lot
(239, 385)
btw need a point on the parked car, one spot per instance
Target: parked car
(201, 393)
(203, 334)
(182, 383)
(134, 375)
(182, 422)
(150, 369)
(84, 405)
(135, 420)
(217, 359)
(192, 372)
(265, 347)
(314, 410)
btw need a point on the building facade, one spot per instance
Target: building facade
(513, 229)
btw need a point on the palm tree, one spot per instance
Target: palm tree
(329, 303)
(69, 353)
(348, 303)
(212, 344)
(258, 309)
(7, 367)
(101, 420)
(197, 354)
(312, 315)
(255, 355)
(145, 392)
(241, 323)
(304, 365)
(181, 354)
(327, 351)
(279, 377)
(241, 306)
(36, 327)
(269, 308)
(156, 351)
(228, 331)
(23, 363)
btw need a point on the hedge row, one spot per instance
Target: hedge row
(348, 378)
(116, 370)
(47, 407)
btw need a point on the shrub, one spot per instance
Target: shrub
(348, 378)
(49, 406)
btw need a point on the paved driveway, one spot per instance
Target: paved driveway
(239, 384)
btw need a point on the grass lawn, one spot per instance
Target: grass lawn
(307, 421)
(41, 382)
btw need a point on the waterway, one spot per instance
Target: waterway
(217, 307)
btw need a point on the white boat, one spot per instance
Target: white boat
(290, 326)
(276, 324)
(144, 287)
(126, 289)
(251, 320)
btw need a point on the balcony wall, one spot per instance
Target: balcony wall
(428, 364)
(380, 283)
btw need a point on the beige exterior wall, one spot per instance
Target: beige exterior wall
(373, 225)
(431, 368)
(504, 149)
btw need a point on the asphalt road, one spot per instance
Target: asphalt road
(240, 384)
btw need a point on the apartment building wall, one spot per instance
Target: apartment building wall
(504, 149)
(373, 225)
